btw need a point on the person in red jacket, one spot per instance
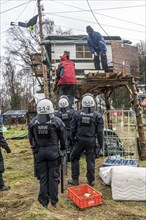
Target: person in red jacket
(66, 78)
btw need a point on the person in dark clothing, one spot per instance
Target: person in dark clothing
(66, 78)
(4, 145)
(86, 126)
(66, 115)
(97, 47)
(35, 149)
(48, 130)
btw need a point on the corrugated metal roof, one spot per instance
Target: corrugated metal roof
(15, 112)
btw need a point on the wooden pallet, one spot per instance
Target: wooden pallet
(95, 75)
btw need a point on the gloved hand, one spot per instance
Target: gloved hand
(70, 141)
(62, 153)
(8, 150)
(62, 156)
(95, 54)
(97, 153)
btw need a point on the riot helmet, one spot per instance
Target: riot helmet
(45, 110)
(63, 103)
(88, 103)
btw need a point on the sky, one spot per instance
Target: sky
(126, 19)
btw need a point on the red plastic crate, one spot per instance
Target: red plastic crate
(76, 194)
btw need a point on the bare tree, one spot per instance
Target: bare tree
(12, 84)
(59, 31)
(17, 86)
(22, 43)
(4, 99)
(18, 68)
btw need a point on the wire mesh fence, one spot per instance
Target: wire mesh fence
(120, 138)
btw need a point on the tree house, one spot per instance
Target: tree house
(37, 64)
(124, 71)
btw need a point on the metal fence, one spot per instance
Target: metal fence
(120, 137)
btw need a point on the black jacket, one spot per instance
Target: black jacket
(66, 117)
(4, 145)
(49, 135)
(87, 126)
(3, 142)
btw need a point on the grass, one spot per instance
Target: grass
(20, 203)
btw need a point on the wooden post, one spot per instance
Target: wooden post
(44, 71)
(142, 139)
(108, 107)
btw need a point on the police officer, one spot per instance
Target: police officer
(35, 149)
(66, 114)
(4, 145)
(86, 126)
(48, 130)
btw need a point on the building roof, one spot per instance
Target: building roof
(15, 113)
(64, 39)
(77, 37)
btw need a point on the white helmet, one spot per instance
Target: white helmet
(88, 100)
(63, 102)
(45, 106)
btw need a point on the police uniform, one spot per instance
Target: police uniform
(35, 150)
(4, 145)
(85, 128)
(47, 136)
(66, 116)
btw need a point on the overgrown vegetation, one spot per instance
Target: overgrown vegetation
(20, 203)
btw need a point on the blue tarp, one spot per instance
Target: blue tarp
(141, 86)
(15, 113)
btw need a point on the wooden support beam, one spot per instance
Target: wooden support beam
(129, 90)
(142, 139)
(108, 107)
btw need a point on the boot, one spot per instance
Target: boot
(74, 182)
(45, 206)
(53, 204)
(91, 183)
(3, 188)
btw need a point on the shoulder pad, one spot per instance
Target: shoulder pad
(97, 114)
(33, 121)
(58, 121)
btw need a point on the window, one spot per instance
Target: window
(82, 51)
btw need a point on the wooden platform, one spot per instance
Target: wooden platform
(97, 82)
